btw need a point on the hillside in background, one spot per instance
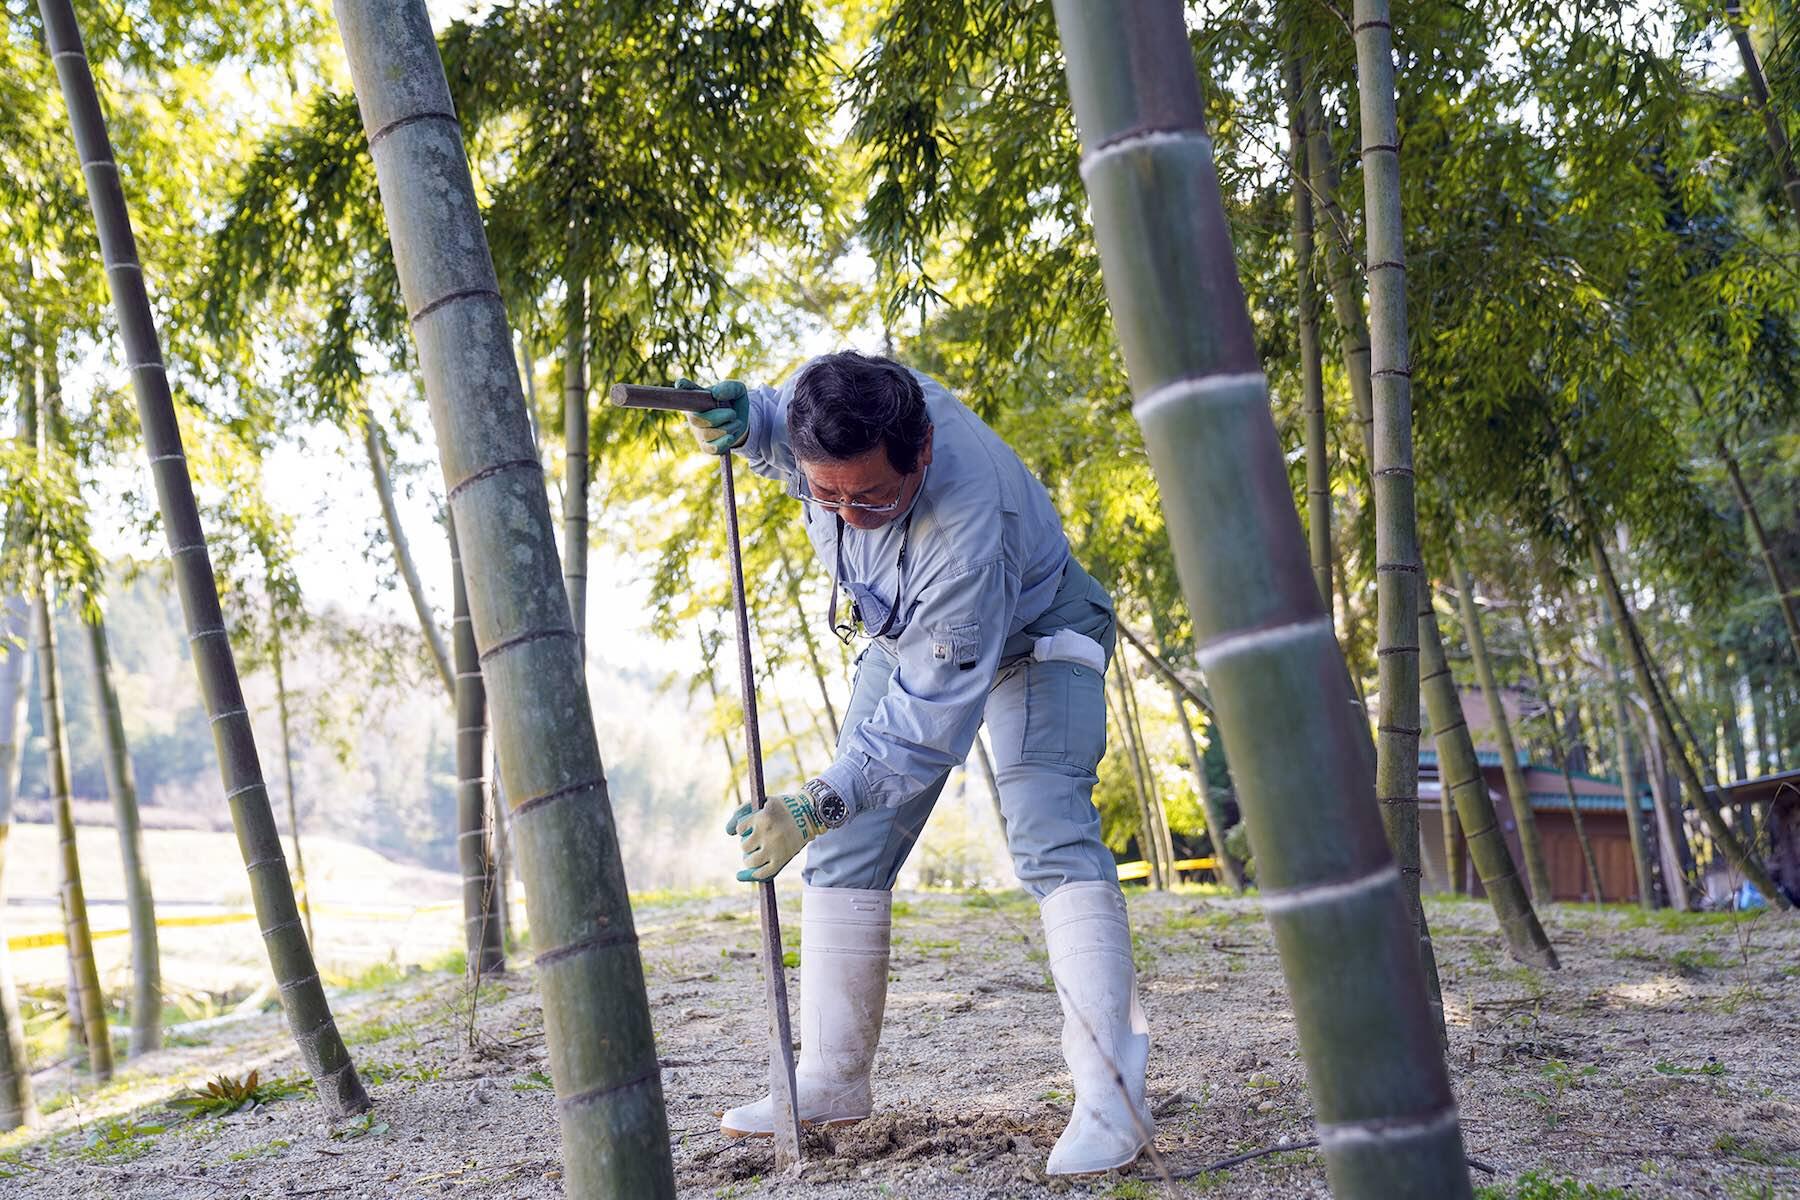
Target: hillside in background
(373, 750)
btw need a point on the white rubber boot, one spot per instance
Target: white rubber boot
(1105, 1038)
(843, 989)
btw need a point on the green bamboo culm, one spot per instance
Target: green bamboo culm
(1741, 859)
(481, 915)
(1397, 568)
(1387, 1122)
(86, 997)
(1779, 148)
(1634, 817)
(140, 904)
(1531, 846)
(575, 460)
(1560, 757)
(17, 1106)
(1333, 228)
(615, 1132)
(1460, 778)
(290, 956)
(1312, 379)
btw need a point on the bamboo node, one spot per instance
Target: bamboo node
(289, 985)
(598, 941)
(1376, 1130)
(282, 927)
(227, 714)
(579, 1099)
(1261, 639)
(411, 119)
(489, 471)
(525, 806)
(1231, 384)
(453, 297)
(1142, 139)
(1404, 730)
(535, 635)
(1310, 895)
(1372, 23)
(1461, 723)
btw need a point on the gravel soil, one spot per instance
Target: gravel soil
(1663, 1060)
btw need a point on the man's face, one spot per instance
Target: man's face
(870, 480)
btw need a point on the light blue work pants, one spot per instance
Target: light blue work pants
(1047, 724)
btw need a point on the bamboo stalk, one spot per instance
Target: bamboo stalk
(1146, 822)
(1159, 815)
(485, 952)
(1340, 271)
(1784, 592)
(86, 997)
(1679, 875)
(792, 579)
(17, 1106)
(303, 998)
(1397, 568)
(1639, 657)
(1312, 379)
(1230, 870)
(1386, 1119)
(375, 449)
(1531, 846)
(1464, 786)
(615, 1134)
(1560, 756)
(575, 457)
(1779, 148)
(140, 906)
(1634, 819)
(287, 773)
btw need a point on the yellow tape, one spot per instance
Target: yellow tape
(38, 941)
(1141, 870)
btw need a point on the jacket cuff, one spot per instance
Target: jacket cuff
(844, 779)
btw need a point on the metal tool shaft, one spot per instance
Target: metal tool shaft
(785, 1108)
(636, 395)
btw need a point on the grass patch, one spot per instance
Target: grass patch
(266, 1150)
(1752, 1151)
(1712, 1066)
(670, 897)
(537, 1081)
(120, 1140)
(1533, 1186)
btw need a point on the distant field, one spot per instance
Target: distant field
(193, 873)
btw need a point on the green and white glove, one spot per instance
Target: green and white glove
(770, 838)
(719, 430)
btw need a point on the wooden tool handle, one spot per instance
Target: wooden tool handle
(636, 395)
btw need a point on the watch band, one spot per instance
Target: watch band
(830, 806)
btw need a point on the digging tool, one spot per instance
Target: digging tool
(781, 1043)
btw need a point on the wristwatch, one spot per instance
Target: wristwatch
(832, 810)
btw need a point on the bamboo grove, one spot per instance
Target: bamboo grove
(1421, 381)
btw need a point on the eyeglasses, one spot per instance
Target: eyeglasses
(833, 506)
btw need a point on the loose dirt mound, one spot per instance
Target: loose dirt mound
(1663, 1060)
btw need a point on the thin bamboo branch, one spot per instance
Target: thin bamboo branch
(375, 449)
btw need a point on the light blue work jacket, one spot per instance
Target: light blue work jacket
(987, 571)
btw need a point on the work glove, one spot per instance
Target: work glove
(770, 838)
(720, 429)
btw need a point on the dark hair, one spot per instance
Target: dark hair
(847, 404)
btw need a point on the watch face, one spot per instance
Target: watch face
(832, 810)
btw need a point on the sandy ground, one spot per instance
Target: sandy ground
(1663, 1060)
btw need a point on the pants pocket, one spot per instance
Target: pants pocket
(1065, 714)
